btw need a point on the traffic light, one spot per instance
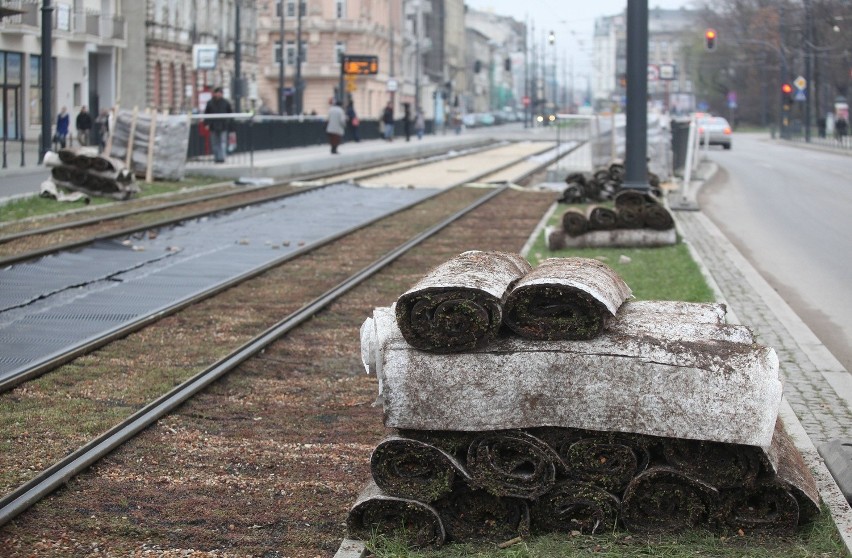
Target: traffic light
(710, 40)
(786, 93)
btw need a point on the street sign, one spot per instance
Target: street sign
(653, 72)
(800, 82)
(800, 95)
(355, 64)
(732, 99)
(667, 72)
(350, 83)
(393, 85)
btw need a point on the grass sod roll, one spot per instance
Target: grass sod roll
(471, 515)
(574, 506)
(657, 217)
(565, 298)
(574, 222)
(629, 217)
(767, 508)
(512, 463)
(664, 500)
(601, 218)
(458, 306)
(609, 462)
(416, 523)
(412, 469)
(720, 464)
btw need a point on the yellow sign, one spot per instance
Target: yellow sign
(350, 83)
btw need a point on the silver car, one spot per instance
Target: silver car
(716, 129)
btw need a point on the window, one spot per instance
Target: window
(339, 50)
(291, 52)
(278, 11)
(341, 9)
(277, 52)
(291, 8)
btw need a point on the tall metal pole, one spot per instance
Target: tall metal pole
(46, 77)
(281, 61)
(238, 78)
(526, 74)
(635, 167)
(297, 85)
(418, 22)
(809, 34)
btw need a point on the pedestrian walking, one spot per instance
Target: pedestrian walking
(419, 123)
(406, 120)
(336, 126)
(102, 129)
(841, 128)
(219, 127)
(83, 123)
(387, 121)
(63, 121)
(353, 121)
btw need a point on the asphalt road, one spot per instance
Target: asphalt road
(789, 212)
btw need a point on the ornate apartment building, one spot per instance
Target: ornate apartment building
(179, 50)
(89, 37)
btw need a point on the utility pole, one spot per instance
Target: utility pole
(281, 60)
(46, 77)
(418, 26)
(297, 85)
(809, 52)
(636, 167)
(526, 74)
(238, 79)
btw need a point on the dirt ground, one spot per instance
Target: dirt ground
(267, 461)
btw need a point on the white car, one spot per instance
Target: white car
(716, 130)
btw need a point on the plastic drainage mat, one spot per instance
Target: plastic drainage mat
(60, 302)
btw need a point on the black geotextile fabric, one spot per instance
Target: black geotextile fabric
(454, 307)
(589, 481)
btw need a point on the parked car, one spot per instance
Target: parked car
(485, 119)
(469, 120)
(716, 130)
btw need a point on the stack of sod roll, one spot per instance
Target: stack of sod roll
(637, 219)
(83, 170)
(538, 400)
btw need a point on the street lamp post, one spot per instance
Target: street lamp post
(552, 40)
(46, 76)
(636, 148)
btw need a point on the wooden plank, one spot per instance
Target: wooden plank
(128, 160)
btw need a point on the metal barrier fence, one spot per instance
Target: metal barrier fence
(841, 143)
(250, 133)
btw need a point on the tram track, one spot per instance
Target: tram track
(51, 478)
(29, 366)
(211, 203)
(92, 501)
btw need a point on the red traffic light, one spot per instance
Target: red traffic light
(786, 88)
(710, 39)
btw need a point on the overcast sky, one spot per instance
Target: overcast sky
(572, 21)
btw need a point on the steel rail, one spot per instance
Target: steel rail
(51, 361)
(62, 471)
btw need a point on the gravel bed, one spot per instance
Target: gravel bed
(267, 461)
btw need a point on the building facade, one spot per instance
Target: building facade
(89, 37)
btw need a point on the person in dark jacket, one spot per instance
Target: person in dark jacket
(83, 123)
(102, 129)
(62, 124)
(219, 127)
(353, 120)
(406, 120)
(387, 121)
